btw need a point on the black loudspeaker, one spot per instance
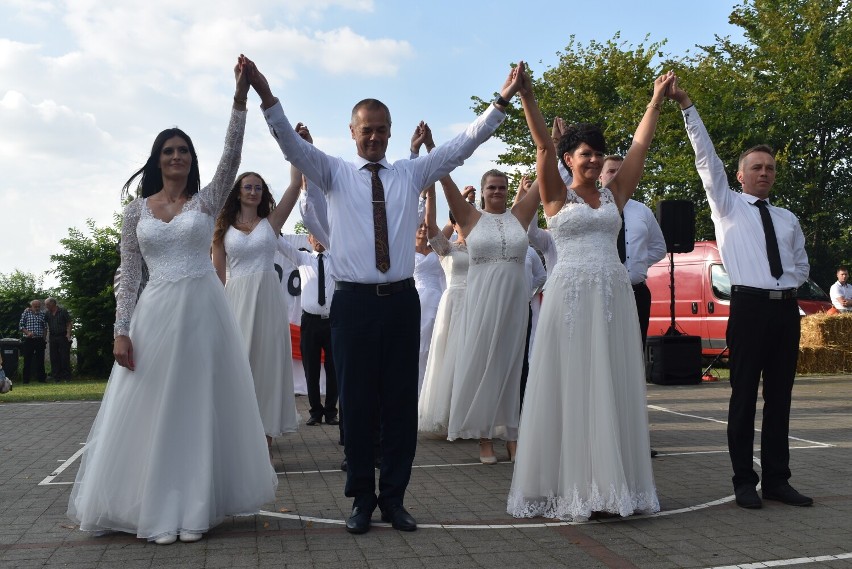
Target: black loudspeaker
(673, 360)
(677, 220)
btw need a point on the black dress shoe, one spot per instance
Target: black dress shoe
(313, 421)
(399, 518)
(359, 521)
(747, 497)
(331, 421)
(344, 465)
(788, 495)
(654, 453)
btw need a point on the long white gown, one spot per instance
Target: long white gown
(177, 444)
(487, 379)
(584, 441)
(429, 281)
(433, 407)
(260, 307)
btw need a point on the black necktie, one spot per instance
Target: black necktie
(321, 274)
(622, 245)
(380, 218)
(771, 240)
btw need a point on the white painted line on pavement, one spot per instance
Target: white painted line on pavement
(787, 562)
(65, 464)
(664, 410)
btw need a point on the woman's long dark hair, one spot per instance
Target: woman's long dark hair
(229, 212)
(152, 177)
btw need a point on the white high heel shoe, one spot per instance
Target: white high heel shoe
(166, 539)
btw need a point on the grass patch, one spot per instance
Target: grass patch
(80, 389)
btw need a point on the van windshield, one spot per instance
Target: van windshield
(721, 283)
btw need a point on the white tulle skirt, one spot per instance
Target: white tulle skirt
(430, 299)
(178, 443)
(583, 445)
(433, 407)
(260, 308)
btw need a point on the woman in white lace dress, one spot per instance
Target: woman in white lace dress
(177, 444)
(246, 239)
(583, 447)
(485, 401)
(433, 407)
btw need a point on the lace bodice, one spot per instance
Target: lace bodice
(454, 259)
(497, 238)
(181, 247)
(428, 272)
(253, 252)
(585, 240)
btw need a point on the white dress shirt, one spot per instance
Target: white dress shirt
(739, 230)
(542, 240)
(644, 243)
(308, 264)
(347, 189)
(837, 293)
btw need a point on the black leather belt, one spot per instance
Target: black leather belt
(785, 294)
(380, 289)
(317, 316)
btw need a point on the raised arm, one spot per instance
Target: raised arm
(219, 259)
(550, 186)
(466, 215)
(526, 207)
(280, 214)
(624, 183)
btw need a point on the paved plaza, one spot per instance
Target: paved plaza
(460, 504)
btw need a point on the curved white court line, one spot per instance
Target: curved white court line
(786, 562)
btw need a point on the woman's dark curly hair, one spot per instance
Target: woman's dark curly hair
(229, 212)
(578, 133)
(152, 177)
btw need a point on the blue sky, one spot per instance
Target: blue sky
(86, 85)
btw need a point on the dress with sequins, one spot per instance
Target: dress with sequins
(177, 444)
(584, 443)
(486, 394)
(433, 407)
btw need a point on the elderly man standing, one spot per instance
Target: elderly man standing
(33, 329)
(59, 338)
(763, 249)
(375, 315)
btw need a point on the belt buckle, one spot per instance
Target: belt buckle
(324, 316)
(776, 295)
(379, 289)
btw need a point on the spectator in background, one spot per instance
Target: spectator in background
(59, 332)
(841, 292)
(33, 329)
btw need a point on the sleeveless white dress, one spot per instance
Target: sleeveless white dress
(487, 379)
(260, 307)
(429, 282)
(433, 407)
(177, 444)
(584, 444)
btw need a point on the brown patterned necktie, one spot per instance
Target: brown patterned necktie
(380, 219)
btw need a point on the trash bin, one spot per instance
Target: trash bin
(10, 347)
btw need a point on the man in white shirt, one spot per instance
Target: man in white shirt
(375, 317)
(763, 249)
(317, 292)
(841, 292)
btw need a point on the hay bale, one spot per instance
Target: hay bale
(827, 330)
(823, 359)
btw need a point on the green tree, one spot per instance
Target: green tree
(17, 289)
(85, 272)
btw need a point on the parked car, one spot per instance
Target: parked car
(702, 296)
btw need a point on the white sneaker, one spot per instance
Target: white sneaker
(189, 537)
(166, 539)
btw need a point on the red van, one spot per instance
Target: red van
(702, 296)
